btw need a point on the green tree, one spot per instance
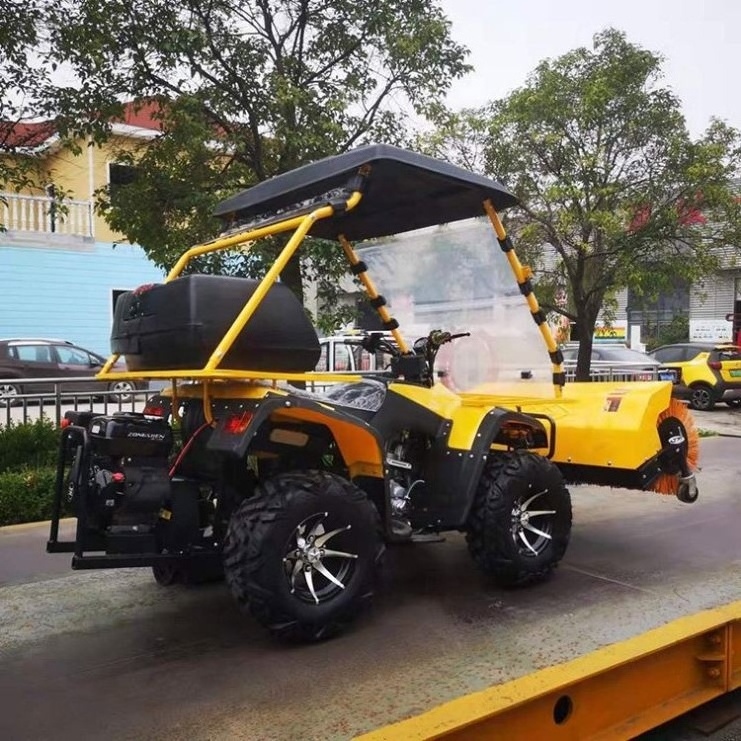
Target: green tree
(28, 99)
(247, 91)
(608, 176)
(21, 78)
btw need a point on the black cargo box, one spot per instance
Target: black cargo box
(177, 325)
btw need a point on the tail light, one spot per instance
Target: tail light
(236, 424)
(715, 365)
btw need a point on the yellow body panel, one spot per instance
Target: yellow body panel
(697, 371)
(625, 415)
(466, 418)
(358, 445)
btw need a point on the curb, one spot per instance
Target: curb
(21, 526)
(710, 434)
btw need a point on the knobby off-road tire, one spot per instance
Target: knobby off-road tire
(498, 536)
(167, 574)
(266, 553)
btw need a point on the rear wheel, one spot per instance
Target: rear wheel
(193, 573)
(702, 398)
(9, 393)
(167, 574)
(303, 554)
(520, 523)
(734, 403)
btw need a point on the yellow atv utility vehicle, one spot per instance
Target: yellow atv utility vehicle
(295, 494)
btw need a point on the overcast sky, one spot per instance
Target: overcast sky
(700, 41)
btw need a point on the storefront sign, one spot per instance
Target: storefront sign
(710, 330)
(615, 332)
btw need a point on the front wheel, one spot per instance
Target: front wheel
(702, 398)
(303, 553)
(122, 391)
(520, 522)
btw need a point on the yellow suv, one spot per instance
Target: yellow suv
(711, 372)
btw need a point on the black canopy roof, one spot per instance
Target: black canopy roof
(403, 191)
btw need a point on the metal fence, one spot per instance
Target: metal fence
(608, 371)
(32, 405)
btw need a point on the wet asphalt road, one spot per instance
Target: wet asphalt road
(113, 655)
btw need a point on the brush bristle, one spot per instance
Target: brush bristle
(667, 483)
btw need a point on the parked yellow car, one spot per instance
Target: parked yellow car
(711, 371)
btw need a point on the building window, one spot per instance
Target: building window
(120, 175)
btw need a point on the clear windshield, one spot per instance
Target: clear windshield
(456, 278)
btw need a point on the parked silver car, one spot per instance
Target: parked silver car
(612, 362)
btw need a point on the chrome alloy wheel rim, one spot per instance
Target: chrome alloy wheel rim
(316, 572)
(532, 528)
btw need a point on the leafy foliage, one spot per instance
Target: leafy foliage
(26, 496)
(28, 453)
(614, 191)
(20, 80)
(245, 91)
(28, 445)
(677, 330)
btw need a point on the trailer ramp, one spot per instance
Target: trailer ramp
(615, 692)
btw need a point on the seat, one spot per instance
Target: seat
(361, 399)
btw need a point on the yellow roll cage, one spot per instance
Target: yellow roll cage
(301, 224)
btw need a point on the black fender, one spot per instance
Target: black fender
(453, 474)
(226, 440)
(231, 437)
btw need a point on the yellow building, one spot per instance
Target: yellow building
(75, 175)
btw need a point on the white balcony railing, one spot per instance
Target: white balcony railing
(40, 214)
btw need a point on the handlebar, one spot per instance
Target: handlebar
(418, 365)
(376, 341)
(438, 338)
